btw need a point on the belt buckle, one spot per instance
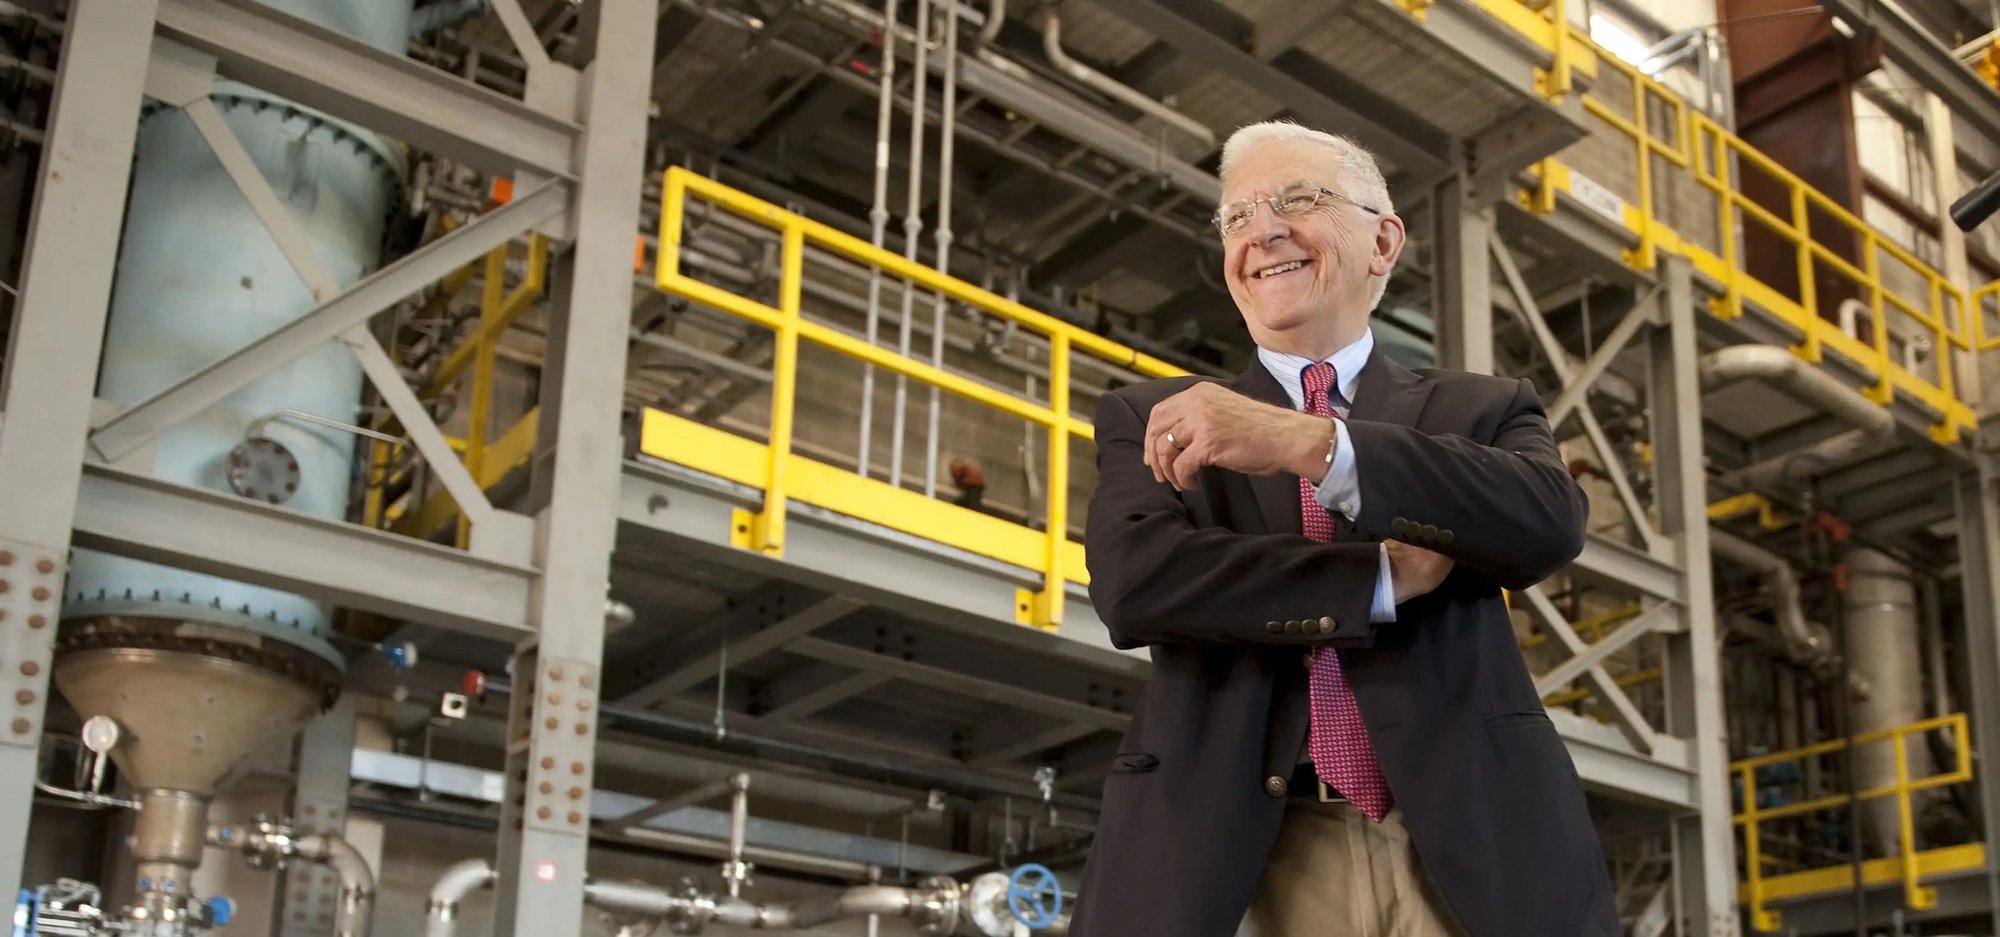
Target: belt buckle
(1329, 796)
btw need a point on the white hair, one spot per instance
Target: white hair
(1360, 179)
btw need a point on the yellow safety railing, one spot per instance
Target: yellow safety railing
(1704, 152)
(1986, 299)
(1909, 867)
(783, 475)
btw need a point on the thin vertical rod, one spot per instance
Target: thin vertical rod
(947, 116)
(878, 227)
(913, 223)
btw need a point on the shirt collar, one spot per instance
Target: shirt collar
(1347, 363)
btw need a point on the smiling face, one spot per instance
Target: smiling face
(1304, 283)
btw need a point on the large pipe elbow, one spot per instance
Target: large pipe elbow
(355, 916)
(1800, 380)
(463, 878)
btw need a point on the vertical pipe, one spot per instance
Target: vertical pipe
(913, 224)
(1880, 606)
(878, 224)
(947, 116)
(739, 826)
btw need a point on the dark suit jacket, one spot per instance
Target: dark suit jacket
(1221, 586)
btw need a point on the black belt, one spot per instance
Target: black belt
(1306, 785)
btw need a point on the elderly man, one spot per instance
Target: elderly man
(1340, 738)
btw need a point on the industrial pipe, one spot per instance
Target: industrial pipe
(1880, 606)
(463, 878)
(934, 905)
(1805, 641)
(878, 228)
(947, 121)
(1090, 77)
(735, 871)
(268, 843)
(913, 229)
(996, 17)
(1809, 385)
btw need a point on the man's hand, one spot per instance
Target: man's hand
(1415, 570)
(1208, 424)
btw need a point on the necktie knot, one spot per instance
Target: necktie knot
(1318, 381)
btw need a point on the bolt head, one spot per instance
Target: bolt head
(21, 726)
(45, 566)
(24, 697)
(575, 818)
(30, 668)
(552, 722)
(548, 763)
(6, 558)
(41, 593)
(576, 767)
(37, 622)
(544, 812)
(582, 728)
(548, 788)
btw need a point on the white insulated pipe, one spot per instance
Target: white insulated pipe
(1090, 77)
(1880, 609)
(878, 227)
(463, 878)
(947, 119)
(355, 914)
(1805, 641)
(913, 226)
(1809, 385)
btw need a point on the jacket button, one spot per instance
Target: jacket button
(1274, 627)
(1326, 626)
(1400, 526)
(1292, 627)
(1430, 532)
(1276, 786)
(1445, 537)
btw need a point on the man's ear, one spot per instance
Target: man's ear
(1389, 240)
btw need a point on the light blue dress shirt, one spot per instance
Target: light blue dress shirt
(1340, 490)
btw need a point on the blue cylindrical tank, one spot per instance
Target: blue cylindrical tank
(199, 278)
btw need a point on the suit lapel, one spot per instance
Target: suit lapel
(1388, 393)
(1277, 495)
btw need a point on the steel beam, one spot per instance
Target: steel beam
(1630, 720)
(1645, 311)
(1585, 656)
(296, 245)
(1617, 563)
(1464, 279)
(324, 69)
(131, 428)
(215, 532)
(319, 805)
(1935, 67)
(1704, 842)
(52, 360)
(1043, 740)
(545, 817)
(1979, 574)
(955, 681)
(820, 697)
(1315, 92)
(763, 638)
(1558, 357)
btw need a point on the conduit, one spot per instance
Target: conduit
(1809, 385)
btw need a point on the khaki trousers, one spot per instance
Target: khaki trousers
(1335, 873)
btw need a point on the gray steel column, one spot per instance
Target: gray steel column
(1704, 843)
(319, 805)
(1464, 291)
(51, 367)
(545, 819)
(1979, 571)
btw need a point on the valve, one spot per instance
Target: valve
(402, 655)
(1034, 896)
(220, 910)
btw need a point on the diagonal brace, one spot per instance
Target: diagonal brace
(1590, 655)
(133, 427)
(1642, 312)
(1630, 720)
(1531, 316)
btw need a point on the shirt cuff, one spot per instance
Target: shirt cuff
(1383, 610)
(1340, 490)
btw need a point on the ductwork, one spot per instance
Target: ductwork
(1809, 385)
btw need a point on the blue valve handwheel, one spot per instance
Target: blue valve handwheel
(220, 910)
(1034, 896)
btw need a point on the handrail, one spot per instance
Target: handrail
(764, 531)
(1915, 895)
(1696, 146)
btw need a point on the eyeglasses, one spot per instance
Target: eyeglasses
(1290, 201)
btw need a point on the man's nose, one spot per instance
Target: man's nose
(1266, 227)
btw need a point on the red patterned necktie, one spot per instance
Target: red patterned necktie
(1341, 753)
